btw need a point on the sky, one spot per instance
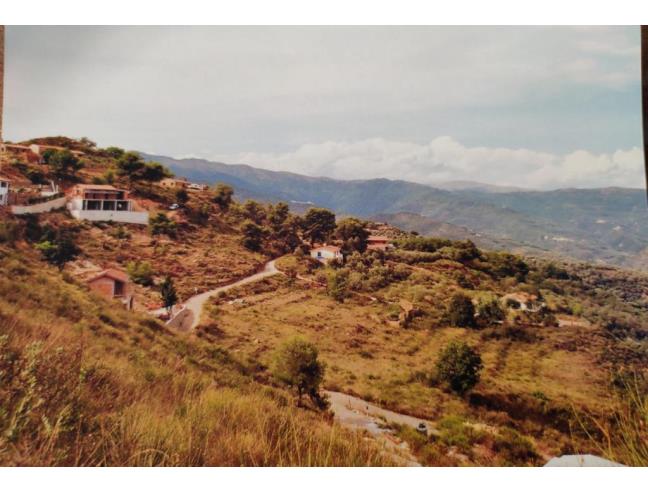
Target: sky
(534, 107)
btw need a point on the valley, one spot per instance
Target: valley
(509, 359)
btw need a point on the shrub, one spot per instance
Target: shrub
(514, 448)
(337, 284)
(58, 248)
(161, 224)
(459, 366)
(490, 312)
(140, 272)
(461, 311)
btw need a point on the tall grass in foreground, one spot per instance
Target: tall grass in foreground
(624, 436)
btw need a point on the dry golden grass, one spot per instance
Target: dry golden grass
(87, 383)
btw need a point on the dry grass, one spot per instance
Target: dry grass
(87, 383)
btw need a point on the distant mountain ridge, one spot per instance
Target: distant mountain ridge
(608, 225)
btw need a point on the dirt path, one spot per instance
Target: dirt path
(358, 414)
(189, 316)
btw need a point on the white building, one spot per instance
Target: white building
(326, 253)
(4, 191)
(104, 203)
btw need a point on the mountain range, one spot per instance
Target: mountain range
(603, 225)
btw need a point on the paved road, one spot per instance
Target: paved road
(358, 414)
(188, 318)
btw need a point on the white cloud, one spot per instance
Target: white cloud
(446, 159)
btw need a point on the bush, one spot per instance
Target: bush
(161, 224)
(490, 312)
(58, 248)
(337, 284)
(514, 447)
(140, 272)
(459, 366)
(461, 311)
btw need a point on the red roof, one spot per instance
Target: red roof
(381, 239)
(111, 273)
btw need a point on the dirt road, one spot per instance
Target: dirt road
(358, 414)
(188, 318)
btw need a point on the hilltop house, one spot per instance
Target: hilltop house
(104, 203)
(112, 284)
(381, 243)
(326, 253)
(174, 183)
(4, 190)
(197, 187)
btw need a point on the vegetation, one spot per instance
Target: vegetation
(168, 294)
(105, 387)
(140, 272)
(318, 225)
(58, 247)
(459, 365)
(461, 311)
(353, 235)
(161, 224)
(223, 196)
(296, 364)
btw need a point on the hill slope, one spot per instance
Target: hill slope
(607, 225)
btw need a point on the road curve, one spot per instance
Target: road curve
(188, 318)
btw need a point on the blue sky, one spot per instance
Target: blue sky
(541, 107)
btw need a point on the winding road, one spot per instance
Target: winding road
(189, 316)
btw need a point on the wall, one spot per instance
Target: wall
(39, 208)
(106, 215)
(104, 286)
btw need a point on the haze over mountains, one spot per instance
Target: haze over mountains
(607, 225)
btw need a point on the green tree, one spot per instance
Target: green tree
(337, 284)
(223, 196)
(353, 235)
(168, 293)
(152, 172)
(254, 211)
(130, 165)
(459, 366)
(63, 163)
(296, 364)
(253, 235)
(58, 248)
(161, 224)
(461, 311)
(278, 215)
(140, 272)
(181, 196)
(491, 311)
(318, 224)
(114, 152)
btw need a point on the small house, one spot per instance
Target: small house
(112, 284)
(197, 187)
(327, 253)
(380, 243)
(174, 183)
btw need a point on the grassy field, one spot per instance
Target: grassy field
(531, 385)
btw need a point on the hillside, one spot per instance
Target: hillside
(561, 344)
(600, 225)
